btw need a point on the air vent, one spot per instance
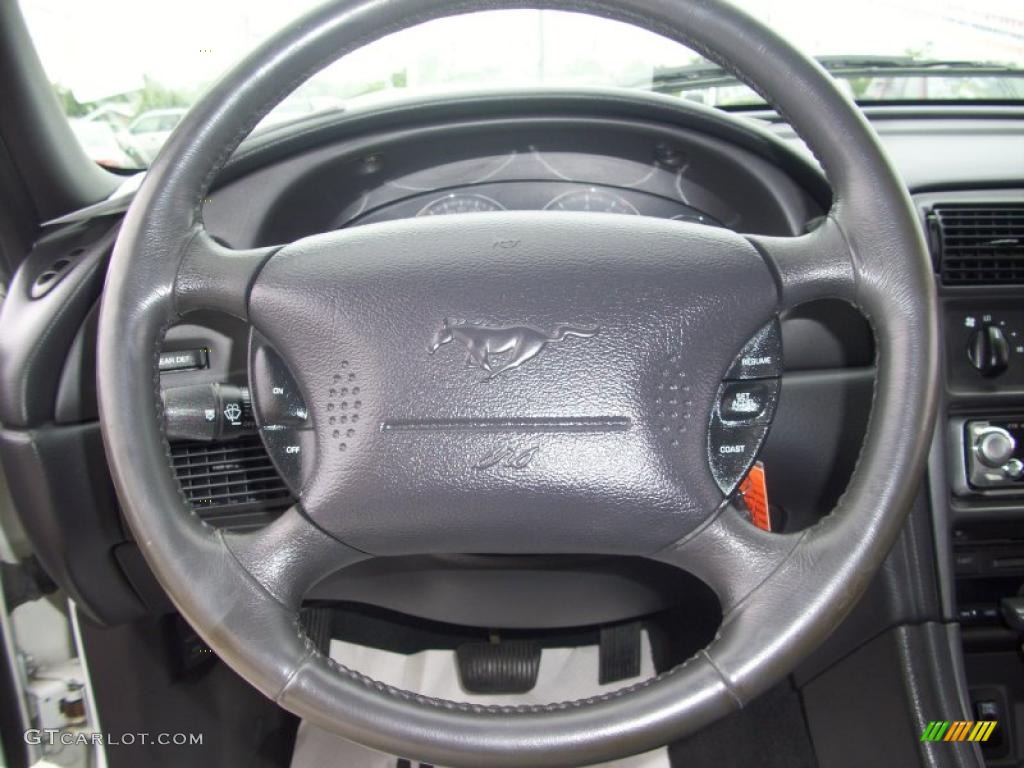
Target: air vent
(979, 244)
(230, 482)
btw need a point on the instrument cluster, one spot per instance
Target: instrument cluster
(535, 196)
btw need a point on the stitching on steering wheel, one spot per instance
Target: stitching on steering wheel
(489, 709)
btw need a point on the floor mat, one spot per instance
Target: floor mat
(565, 674)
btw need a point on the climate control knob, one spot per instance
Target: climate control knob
(994, 447)
(988, 350)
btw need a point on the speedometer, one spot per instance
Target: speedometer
(592, 199)
(460, 203)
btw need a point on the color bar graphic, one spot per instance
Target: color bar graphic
(959, 730)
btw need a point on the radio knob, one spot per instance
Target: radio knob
(989, 351)
(994, 447)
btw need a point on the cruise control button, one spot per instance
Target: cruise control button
(761, 358)
(732, 452)
(275, 394)
(292, 451)
(748, 402)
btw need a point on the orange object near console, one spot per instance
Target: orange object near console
(755, 495)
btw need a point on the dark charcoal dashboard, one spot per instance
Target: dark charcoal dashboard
(611, 153)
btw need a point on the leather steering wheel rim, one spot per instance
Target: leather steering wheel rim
(781, 595)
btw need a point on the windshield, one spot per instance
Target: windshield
(125, 71)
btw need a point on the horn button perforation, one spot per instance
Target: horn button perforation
(463, 398)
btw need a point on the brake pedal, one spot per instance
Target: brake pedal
(502, 666)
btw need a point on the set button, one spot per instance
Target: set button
(748, 402)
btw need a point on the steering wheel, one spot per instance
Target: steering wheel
(602, 316)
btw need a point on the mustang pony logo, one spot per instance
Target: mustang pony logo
(514, 345)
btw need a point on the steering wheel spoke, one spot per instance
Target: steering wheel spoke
(730, 555)
(816, 265)
(290, 555)
(216, 277)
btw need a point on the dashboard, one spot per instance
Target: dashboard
(637, 155)
(962, 551)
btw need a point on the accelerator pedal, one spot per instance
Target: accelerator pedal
(620, 652)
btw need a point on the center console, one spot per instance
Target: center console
(977, 469)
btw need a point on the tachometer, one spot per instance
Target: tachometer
(460, 203)
(591, 199)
